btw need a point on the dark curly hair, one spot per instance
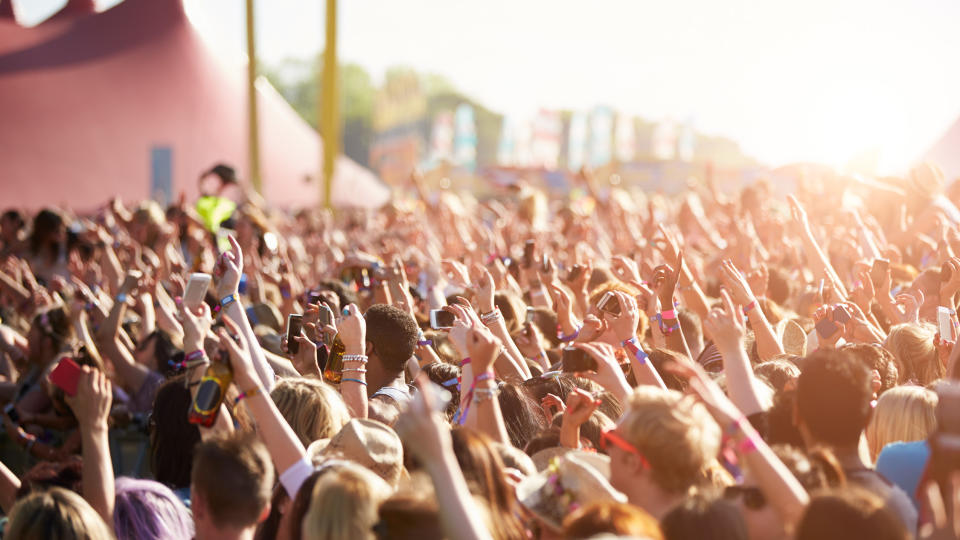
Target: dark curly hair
(833, 397)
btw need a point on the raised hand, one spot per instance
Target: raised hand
(726, 325)
(609, 374)
(305, 361)
(484, 287)
(625, 269)
(911, 303)
(580, 405)
(196, 325)
(624, 325)
(91, 405)
(759, 280)
(244, 373)
(456, 273)
(483, 348)
(353, 330)
(229, 269)
(863, 294)
(734, 281)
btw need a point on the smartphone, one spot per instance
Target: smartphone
(196, 290)
(11, 411)
(826, 328)
(879, 271)
(575, 360)
(575, 272)
(528, 322)
(326, 315)
(528, 249)
(294, 326)
(544, 263)
(609, 304)
(66, 375)
(441, 320)
(840, 315)
(314, 298)
(945, 324)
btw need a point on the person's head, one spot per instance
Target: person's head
(704, 517)
(11, 223)
(369, 443)
(231, 483)
(146, 509)
(668, 441)
(157, 352)
(146, 223)
(613, 518)
(49, 333)
(312, 408)
(408, 516)
(914, 353)
(55, 514)
(849, 513)
(344, 503)
(391, 337)
(447, 376)
(660, 357)
(904, 413)
(833, 399)
(172, 437)
(48, 234)
(779, 373)
(878, 359)
(522, 415)
(484, 473)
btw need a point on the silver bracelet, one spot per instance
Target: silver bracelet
(354, 370)
(492, 317)
(362, 358)
(485, 394)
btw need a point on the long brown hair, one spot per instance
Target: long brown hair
(483, 469)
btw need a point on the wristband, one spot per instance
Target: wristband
(536, 293)
(485, 394)
(465, 361)
(424, 342)
(564, 338)
(747, 308)
(245, 394)
(121, 298)
(227, 300)
(197, 354)
(669, 314)
(449, 383)
(485, 376)
(747, 445)
(343, 380)
(361, 358)
(354, 370)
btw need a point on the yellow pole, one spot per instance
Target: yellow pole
(329, 104)
(253, 125)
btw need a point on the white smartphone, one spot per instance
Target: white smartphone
(441, 320)
(945, 323)
(196, 290)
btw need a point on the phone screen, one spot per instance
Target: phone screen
(826, 328)
(945, 324)
(840, 315)
(609, 304)
(66, 375)
(294, 325)
(528, 253)
(196, 290)
(879, 271)
(440, 319)
(326, 315)
(575, 360)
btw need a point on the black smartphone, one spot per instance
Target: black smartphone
(826, 328)
(528, 249)
(879, 271)
(840, 315)
(575, 360)
(294, 325)
(314, 297)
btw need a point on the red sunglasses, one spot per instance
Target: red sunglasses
(611, 437)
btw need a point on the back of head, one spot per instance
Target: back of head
(408, 516)
(523, 416)
(676, 435)
(850, 513)
(149, 510)
(704, 517)
(55, 514)
(833, 397)
(904, 413)
(312, 408)
(172, 437)
(233, 476)
(393, 333)
(344, 503)
(914, 352)
(613, 518)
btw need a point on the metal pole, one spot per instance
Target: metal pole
(253, 124)
(329, 104)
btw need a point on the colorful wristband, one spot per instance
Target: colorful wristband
(343, 380)
(227, 300)
(749, 307)
(669, 314)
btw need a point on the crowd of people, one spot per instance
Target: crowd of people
(605, 362)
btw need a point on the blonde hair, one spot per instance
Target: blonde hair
(344, 503)
(904, 413)
(56, 514)
(914, 352)
(675, 434)
(312, 408)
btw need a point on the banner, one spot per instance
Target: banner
(626, 138)
(601, 136)
(441, 140)
(577, 149)
(546, 139)
(465, 138)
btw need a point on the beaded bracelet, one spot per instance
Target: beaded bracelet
(361, 358)
(354, 370)
(491, 317)
(353, 380)
(485, 394)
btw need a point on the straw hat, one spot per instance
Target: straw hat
(371, 444)
(571, 481)
(793, 337)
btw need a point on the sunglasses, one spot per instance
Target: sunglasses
(610, 437)
(753, 498)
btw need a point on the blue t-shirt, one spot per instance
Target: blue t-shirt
(903, 464)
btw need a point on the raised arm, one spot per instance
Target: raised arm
(91, 406)
(768, 345)
(353, 385)
(484, 348)
(815, 254)
(726, 328)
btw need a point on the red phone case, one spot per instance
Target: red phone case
(66, 375)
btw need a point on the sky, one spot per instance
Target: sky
(818, 80)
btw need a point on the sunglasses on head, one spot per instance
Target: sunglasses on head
(753, 498)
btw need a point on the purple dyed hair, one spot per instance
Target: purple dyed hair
(150, 510)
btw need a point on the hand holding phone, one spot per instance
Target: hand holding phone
(945, 324)
(576, 360)
(66, 375)
(878, 272)
(294, 326)
(609, 304)
(441, 320)
(196, 290)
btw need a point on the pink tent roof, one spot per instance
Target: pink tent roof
(85, 97)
